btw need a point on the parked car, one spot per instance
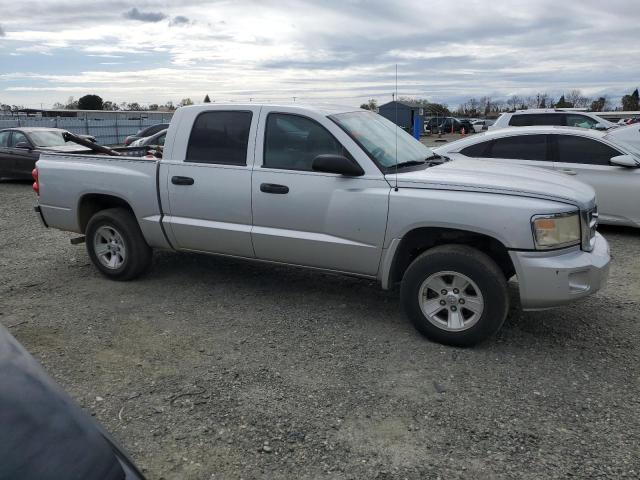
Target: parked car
(338, 190)
(448, 125)
(597, 158)
(156, 139)
(145, 132)
(20, 148)
(551, 116)
(480, 125)
(45, 435)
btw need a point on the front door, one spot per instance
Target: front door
(587, 160)
(6, 159)
(209, 193)
(310, 218)
(24, 159)
(528, 150)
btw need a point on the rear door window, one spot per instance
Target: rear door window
(527, 120)
(220, 137)
(520, 147)
(574, 149)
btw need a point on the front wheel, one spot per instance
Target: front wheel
(116, 246)
(455, 295)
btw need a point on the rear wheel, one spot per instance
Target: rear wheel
(455, 295)
(116, 246)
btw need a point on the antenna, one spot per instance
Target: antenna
(396, 100)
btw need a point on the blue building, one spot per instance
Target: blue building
(406, 113)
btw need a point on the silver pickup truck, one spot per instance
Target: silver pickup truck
(342, 190)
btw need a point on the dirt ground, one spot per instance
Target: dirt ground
(210, 368)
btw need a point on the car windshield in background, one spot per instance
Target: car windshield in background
(47, 138)
(379, 138)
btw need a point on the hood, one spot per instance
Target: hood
(493, 177)
(67, 148)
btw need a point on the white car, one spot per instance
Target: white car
(552, 116)
(600, 159)
(480, 125)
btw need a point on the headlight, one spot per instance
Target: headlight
(555, 231)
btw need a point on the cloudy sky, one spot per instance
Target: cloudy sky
(334, 51)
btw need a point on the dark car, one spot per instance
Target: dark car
(448, 124)
(145, 132)
(44, 434)
(153, 140)
(20, 149)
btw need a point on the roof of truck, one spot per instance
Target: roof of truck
(321, 108)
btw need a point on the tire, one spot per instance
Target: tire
(116, 246)
(466, 317)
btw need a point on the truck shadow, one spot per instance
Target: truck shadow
(352, 299)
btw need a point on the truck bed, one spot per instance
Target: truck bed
(68, 183)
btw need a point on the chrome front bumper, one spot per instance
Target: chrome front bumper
(549, 279)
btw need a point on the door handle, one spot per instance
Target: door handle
(182, 180)
(568, 171)
(274, 188)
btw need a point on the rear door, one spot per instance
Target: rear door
(209, 192)
(617, 188)
(310, 218)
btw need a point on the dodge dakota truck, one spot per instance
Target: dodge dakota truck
(341, 190)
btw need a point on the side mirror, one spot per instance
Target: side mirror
(23, 146)
(624, 161)
(330, 163)
(600, 126)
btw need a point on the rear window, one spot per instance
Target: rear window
(527, 120)
(520, 147)
(477, 150)
(220, 137)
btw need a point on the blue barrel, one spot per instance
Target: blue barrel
(417, 121)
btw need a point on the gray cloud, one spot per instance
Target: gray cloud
(2, 34)
(179, 20)
(135, 14)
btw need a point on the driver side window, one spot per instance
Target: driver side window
(582, 121)
(292, 142)
(18, 137)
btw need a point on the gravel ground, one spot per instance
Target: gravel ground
(211, 368)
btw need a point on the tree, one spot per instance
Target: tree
(71, 104)
(134, 107)
(631, 102)
(185, 102)
(370, 105)
(58, 106)
(90, 102)
(109, 105)
(562, 103)
(153, 107)
(599, 104)
(207, 99)
(577, 99)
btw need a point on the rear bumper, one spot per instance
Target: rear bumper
(550, 279)
(38, 210)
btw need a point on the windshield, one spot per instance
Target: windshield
(379, 137)
(47, 138)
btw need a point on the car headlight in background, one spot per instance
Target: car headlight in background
(556, 231)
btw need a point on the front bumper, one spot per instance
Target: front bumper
(549, 279)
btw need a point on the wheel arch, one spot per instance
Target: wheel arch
(91, 203)
(420, 239)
